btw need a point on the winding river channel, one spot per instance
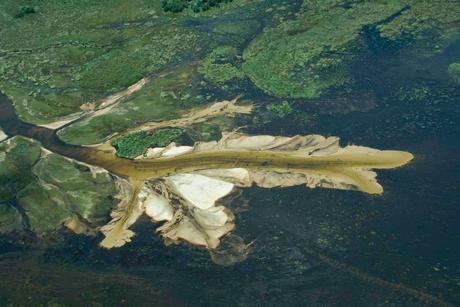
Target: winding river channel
(138, 170)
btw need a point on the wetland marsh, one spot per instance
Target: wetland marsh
(180, 153)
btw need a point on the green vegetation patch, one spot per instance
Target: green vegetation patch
(10, 219)
(310, 55)
(163, 98)
(304, 57)
(135, 144)
(222, 65)
(196, 6)
(17, 156)
(88, 192)
(148, 52)
(39, 193)
(281, 110)
(420, 19)
(46, 207)
(454, 71)
(72, 52)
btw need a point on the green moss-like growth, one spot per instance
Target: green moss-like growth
(122, 67)
(419, 19)
(412, 93)
(304, 57)
(280, 109)
(454, 71)
(196, 6)
(221, 65)
(135, 144)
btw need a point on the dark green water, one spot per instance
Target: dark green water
(313, 247)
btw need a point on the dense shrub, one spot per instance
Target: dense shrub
(135, 144)
(174, 6)
(197, 6)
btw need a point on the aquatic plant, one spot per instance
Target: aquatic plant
(221, 65)
(311, 55)
(280, 110)
(454, 71)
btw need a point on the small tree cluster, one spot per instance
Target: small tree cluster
(135, 144)
(196, 6)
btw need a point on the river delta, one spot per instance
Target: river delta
(229, 153)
